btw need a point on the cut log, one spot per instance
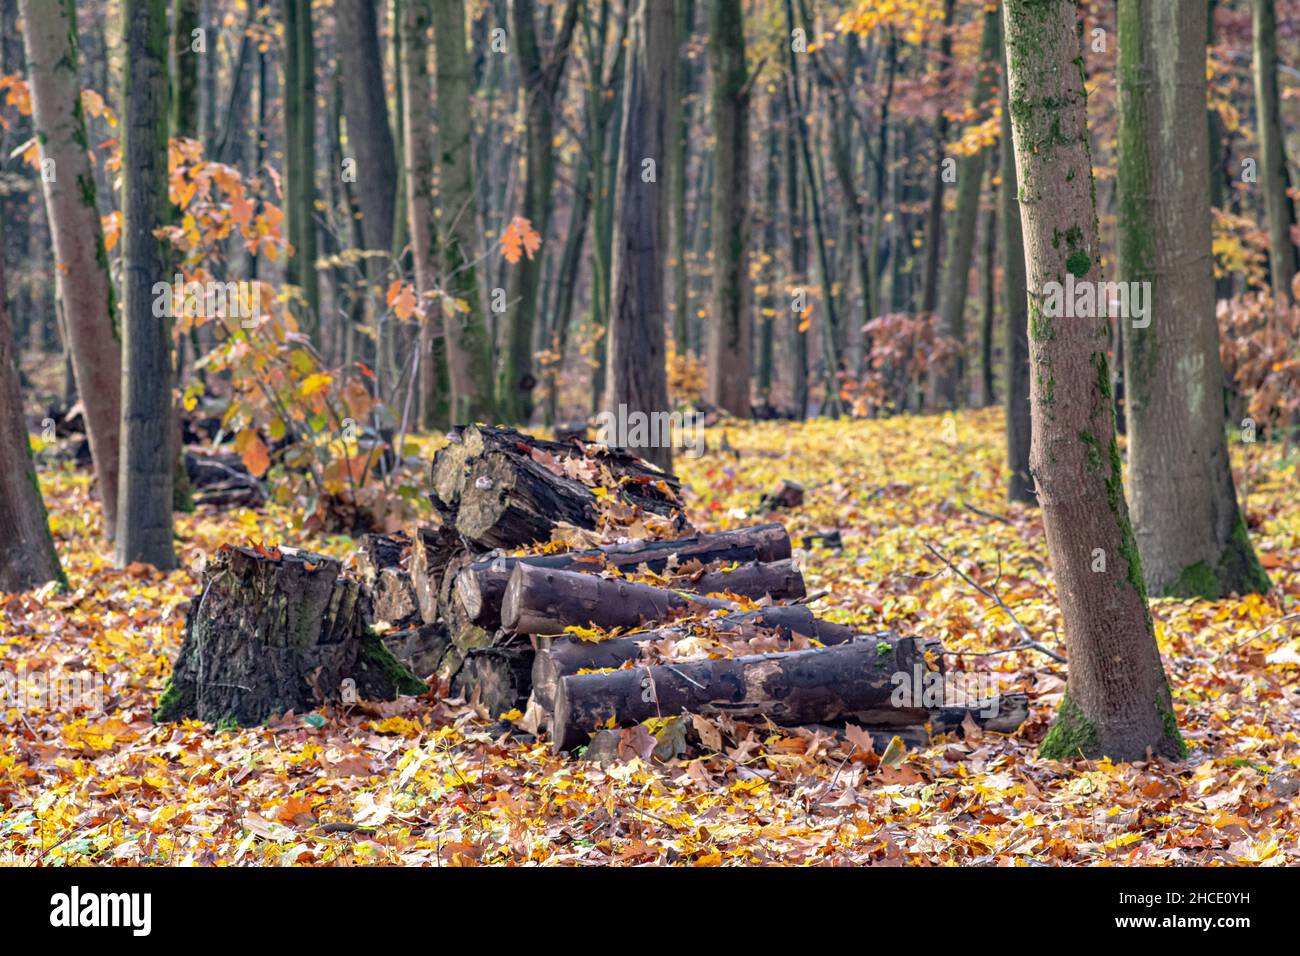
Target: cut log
(507, 489)
(420, 649)
(546, 601)
(1002, 713)
(480, 585)
(561, 656)
(221, 479)
(273, 632)
(498, 678)
(786, 495)
(432, 551)
(800, 687)
(381, 561)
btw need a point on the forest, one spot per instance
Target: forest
(649, 432)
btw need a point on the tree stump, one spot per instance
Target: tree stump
(277, 631)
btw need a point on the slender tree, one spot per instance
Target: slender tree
(27, 556)
(469, 352)
(50, 31)
(945, 384)
(637, 382)
(1189, 529)
(144, 531)
(1273, 174)
(730, 336)
(541, 72)
(417, 136)
(1015, 312)
(300, 155)
(1117, 701)
(184, 69)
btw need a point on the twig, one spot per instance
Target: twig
(1260, 633)
(988, 514)
(993, 596)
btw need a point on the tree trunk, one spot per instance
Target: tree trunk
(272, 633)
(678, 160)
(730, 332)
(1189, 530)
(82, 263)
(299, 91)
(27, 556)
(1015, 314)
(540, 74)
(366, 109)
(144, 527)
(636, 383)
(418, 138)
(934, 215)
(945, 384)
(794, 200)
(469, 352)
(184, 69)
(1278, 208)
(799, 687)
(1117, 701)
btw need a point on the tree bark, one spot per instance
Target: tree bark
(1015, 314)
(273, 633)
(144, 527)
(560, 656)
(549, 600)
(183, 67)
(480, 585)
(934, 215)
(299, 91)
(1278, 207)
(81, 268)
(798, 687)
(469, 352)
(540, 74)
(1189, 529)
(1117, 701)
(636, 382)
(417, 135)
(730, 327)
(27, 555)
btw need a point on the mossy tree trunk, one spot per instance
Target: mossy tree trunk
(945, 384)
(1117, 701)
(1273, 176)
(27, 556)
(636, 381)
(144, 527)
(1185, 516)
(50, 31)
(1015, 313)
(469, 351)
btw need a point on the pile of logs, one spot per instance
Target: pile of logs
(581, 639)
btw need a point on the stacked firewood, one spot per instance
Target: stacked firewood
(560, 579)
(638, 627)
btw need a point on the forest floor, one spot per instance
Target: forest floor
(424, 782)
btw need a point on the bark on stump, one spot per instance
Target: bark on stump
(270, 634)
